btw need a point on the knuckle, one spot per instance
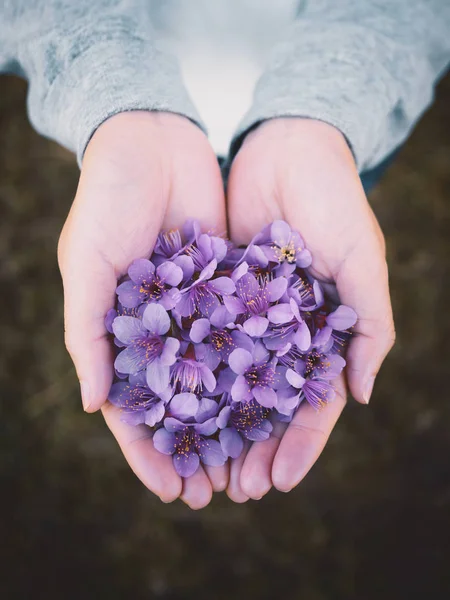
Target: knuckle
(388, 333)
(71, 344)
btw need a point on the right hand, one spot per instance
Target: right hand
(302, 171)
(142, 171)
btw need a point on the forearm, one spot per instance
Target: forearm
(367, 68)
(85, 62)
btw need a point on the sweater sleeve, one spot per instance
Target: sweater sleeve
(368, 68)
(86, 61)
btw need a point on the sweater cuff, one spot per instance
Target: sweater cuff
(346, 76)
(107, 78)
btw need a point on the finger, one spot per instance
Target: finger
(304, 440)
(234, 490)
(197, 490)
(363, 284)
(248, 212)
(155, 470)
(218, 476)
(197, 190)
(256, 474)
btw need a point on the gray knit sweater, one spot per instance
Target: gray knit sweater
(368, 67)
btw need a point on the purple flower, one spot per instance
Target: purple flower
(205, 249)
(215, 343)
(279, 244)
(186, 434)
(168, 245)
(190, 375)
(342, 318)
(242, 420)
(220, 342)
(253, 299)
(204, 294)
(256, 376)
(307, 295)
(145, 346)
(138, 403)
(287, 327)
(317, 392)
(150, 284)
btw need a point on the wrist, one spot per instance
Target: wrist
(315, 137)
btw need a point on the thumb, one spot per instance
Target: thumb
(362, 283)
(89, 286)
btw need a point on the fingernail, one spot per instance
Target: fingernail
(85, 395)
(368, 389)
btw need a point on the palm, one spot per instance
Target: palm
(303, 172)
(141, 172)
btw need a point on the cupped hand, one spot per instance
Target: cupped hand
(141, 172)
(303, 171)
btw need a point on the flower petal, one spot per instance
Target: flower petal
(239, 271)
(199, 330)
(280, 233)
(342, 318)
(247, 286)
(208, 427)
(265, 396)
(206, 410)
(183, 406)
(295, 379)
(222, 285)
(129, 294)
(223, 417)
(128, 329)
(208, 271)
(261, 433)
(164, 441)
(211, 453)
(226, 379)
(155, 414)
(172, 424)
(240, 390)
(141, 270)
(240, 360)
(303, 258)
(157, 376)
(234, 305)
(156, 319)
(169, 353)
(279, 314)
(131, 360)
(209, 381)
(219, 248)
(187, 266)
(120, 394)
(276, 288)
(231, 442)
(302, 337)
(186, 464)
(170, 273)
(256, 326)
(221, 317)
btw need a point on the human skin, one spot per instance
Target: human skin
(146, 171)
(303, 171)
(142, 171)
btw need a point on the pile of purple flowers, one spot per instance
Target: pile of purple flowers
(215, 343)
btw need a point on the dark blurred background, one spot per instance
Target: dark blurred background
(371, 521)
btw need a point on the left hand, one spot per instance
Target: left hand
(302, 171)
